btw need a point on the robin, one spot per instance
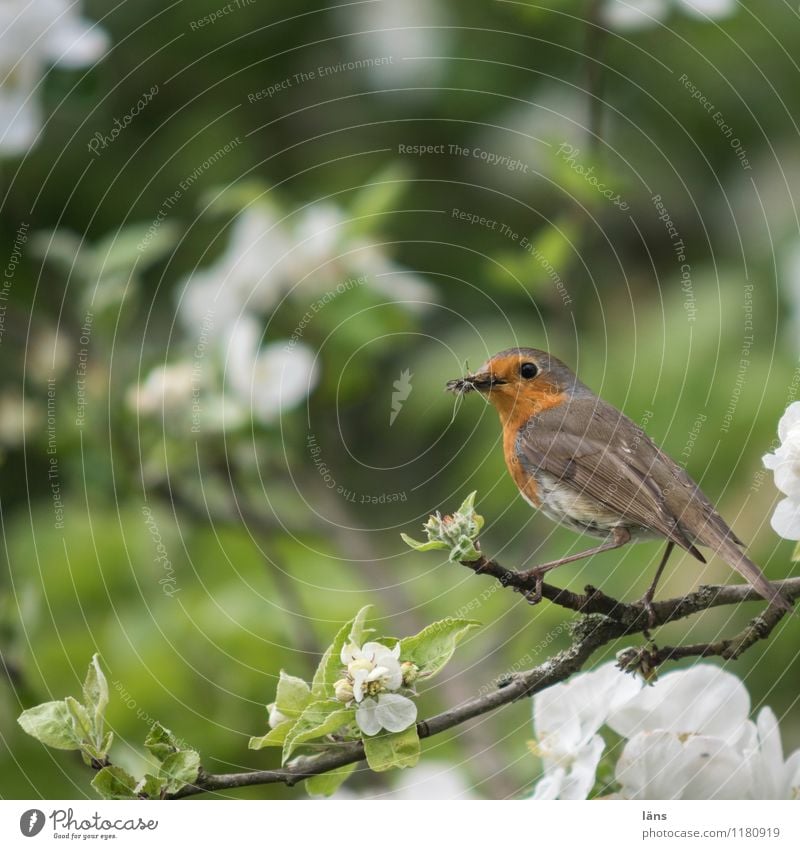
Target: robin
(586, 465)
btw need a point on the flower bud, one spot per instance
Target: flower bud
(275, 716)
(343, 689)
(361, 663)
(410, 672)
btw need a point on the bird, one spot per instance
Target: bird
(587, 466)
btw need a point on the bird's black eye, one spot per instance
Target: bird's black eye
(528, 370)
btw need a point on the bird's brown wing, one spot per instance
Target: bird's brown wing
(593, 448)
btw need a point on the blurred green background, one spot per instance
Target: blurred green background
(225, 205)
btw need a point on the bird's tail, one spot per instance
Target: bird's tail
(730, 552)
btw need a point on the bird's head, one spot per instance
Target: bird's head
(519, 382)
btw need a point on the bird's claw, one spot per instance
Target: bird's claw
(534, 596)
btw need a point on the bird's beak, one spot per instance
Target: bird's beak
(482, 381)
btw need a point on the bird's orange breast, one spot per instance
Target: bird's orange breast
(515, 416)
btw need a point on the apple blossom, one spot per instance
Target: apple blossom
(373, 672)
(785, 464)
(34, 35)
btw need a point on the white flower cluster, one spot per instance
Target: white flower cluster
(34, 35)
(639, 14)
(785, 464)
(686, 737)
(373, 675)
(225, 304)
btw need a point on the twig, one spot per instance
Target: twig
(605, 620)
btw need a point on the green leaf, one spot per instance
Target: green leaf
(433, 647)
(293, 695)
(52, 724)
(385, 751)
(796, 553)
(318, 720)
(150, 786)
(180, 769)
(95, 695)
(81, 721)
(274, 737)
(331, 663)
(464, 550)
(430, 545)
(112, 782)
(327, 783)
(161, 742)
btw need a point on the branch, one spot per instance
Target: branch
(605, 620)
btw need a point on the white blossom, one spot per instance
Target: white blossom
(247, 275)
(407, 37)
(33, 35)
(666, 765)
(771, 776)
(702, 700)
(566, 719)
(374, 671)
(687, 737)
(785, 464)
(640, 14)
(166, 390)
(271, 379)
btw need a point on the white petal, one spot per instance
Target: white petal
(396, 712)
(269, 379)
(651, 767)
(349, 653)
(701, 700)
(75, 42)
(765, 758)
(567, 715)
(549, 785)
(785, 520)
(582, 774)
(708, 8)
(793, 776)
(633, 14)
(359, 676)
(714, 770)
(789, 420)
(377, 673)
(373, 650)
(367, 717)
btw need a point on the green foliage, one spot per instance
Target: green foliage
(432, 648)
(389, 751)
(317, 721)
(319, 725)
(70, 725)
(53, 724)
(112, 782)
(628, 330)
(327, 783)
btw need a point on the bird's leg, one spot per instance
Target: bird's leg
(647, 598)
(620, 536)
